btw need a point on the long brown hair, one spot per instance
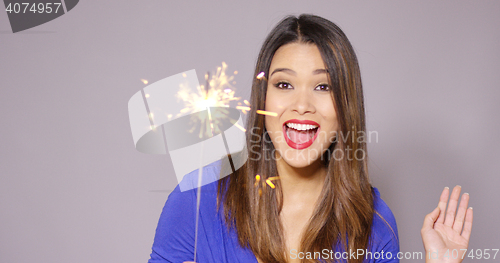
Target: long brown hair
(343, 215)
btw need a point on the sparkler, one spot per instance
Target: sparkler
(217, 92)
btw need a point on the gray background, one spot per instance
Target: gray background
(74, 189)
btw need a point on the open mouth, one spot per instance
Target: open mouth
(300, 134)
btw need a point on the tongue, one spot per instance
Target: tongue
(300, 137)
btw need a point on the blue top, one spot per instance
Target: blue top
(175, 233)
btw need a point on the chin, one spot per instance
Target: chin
(297, 164)
(301, 158)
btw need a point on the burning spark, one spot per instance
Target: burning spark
(235, 72)
(147, 95)
(261, 75)
(144, 81)
(274, 114)
(270, 183)
(246, 102)
(239, 127)
(217, 92)
(243, 108)
(273, 178)
(257, 179)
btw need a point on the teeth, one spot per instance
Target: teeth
(301, 127)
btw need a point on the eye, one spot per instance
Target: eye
(322, 87)
(283, 85)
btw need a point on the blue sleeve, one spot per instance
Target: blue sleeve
(174, 236)
(384, 237)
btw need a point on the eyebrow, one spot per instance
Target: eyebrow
(289, 71)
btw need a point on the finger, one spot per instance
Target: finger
(443, 200)
(468, 224)
(462, 209)
(430, 219)
(452, 206)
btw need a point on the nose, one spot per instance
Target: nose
(303, 102)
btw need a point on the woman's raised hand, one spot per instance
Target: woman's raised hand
(446, 236)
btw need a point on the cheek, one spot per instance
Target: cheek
(335, 122)
(275, 101)
(270, 101)
(268, 107)
(327, 111)
(330, 116)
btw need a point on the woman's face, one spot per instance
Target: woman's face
(299, 93)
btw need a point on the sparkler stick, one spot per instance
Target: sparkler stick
(198, 200)
(207, 89)
(200, 171)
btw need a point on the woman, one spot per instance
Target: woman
(317, 203)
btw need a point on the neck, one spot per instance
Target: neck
(300, 183)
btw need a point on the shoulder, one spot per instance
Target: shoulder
(384, 234)
(174, 237)
(185, 193)
(209, 174)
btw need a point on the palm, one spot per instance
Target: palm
(443, 237)
(442, 234)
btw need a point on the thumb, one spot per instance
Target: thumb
(430, 219)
